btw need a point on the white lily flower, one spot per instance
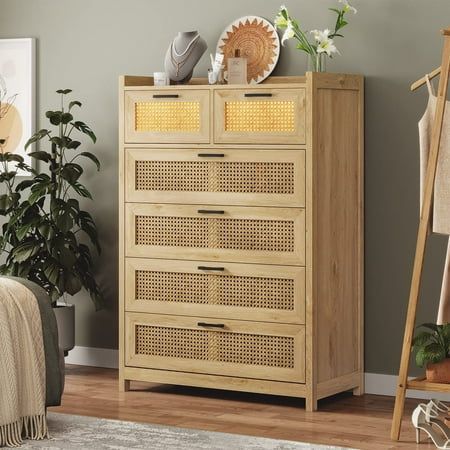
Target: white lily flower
(280, 20)
(320, 36)
(288, 33)
(327, 46)
(324, 43)
(348, 7)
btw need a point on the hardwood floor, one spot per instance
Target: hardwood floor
(344, 420)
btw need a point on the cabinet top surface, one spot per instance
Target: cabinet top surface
(131, 82)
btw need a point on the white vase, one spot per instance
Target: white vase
(65, 318)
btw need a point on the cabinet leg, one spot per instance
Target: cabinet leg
(358, 391)
(311, 404)
(124, 385)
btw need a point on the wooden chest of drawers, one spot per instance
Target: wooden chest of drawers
(241, 235)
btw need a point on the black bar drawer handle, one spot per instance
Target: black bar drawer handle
(210, 211)
(212, 325)
(258, 94)
(219, 269)
(211, 155)
(166, 96)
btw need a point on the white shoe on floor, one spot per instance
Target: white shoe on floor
(437, 406)
(423, 419)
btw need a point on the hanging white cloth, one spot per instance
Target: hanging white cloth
(441, 201)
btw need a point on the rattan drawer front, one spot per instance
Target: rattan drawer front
(229, 347)
(268, 116)
(224, 290)
(226, 233)
(167, 116)
(232, 177)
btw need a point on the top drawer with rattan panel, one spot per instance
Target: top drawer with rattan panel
(168, 116)
(259, 116)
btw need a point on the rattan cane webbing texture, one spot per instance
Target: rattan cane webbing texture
(217, 346)
(212, 176)
(199, 232)
(260, 116)
(211, 289)
(167, 116)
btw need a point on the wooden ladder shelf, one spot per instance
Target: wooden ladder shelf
(421, 383)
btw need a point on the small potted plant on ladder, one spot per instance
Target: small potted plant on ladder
(432, 349)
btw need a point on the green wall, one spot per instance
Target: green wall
(85, 45)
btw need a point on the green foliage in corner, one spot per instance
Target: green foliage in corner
(47, 237)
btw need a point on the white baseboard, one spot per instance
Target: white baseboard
(375, 383)
(379, 384)
(94, 357)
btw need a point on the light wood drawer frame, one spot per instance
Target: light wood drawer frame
(296, 157)
(202, 96)
(297, 332)
(296, 137)
(296, 215)
(296, 274)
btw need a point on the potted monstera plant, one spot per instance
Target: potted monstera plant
(432, 349)
(47, 237)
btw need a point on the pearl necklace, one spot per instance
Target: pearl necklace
(189, 49)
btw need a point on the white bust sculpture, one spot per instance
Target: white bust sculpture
(183, 54)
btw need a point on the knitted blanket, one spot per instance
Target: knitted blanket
(22, 367)
(54, 374)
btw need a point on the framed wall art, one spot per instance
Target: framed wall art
(17, 95)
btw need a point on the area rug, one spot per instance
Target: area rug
(89, 433)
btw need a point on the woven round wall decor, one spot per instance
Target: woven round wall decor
(257, 40)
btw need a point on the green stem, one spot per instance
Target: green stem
(60, 164)
(53, 174)
(338, 25)
(70, 132)
(44, 212)
(61, 149)
(8, 183)
(301, 37)
(66, 190)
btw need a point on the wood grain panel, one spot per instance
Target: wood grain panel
(338, 222)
